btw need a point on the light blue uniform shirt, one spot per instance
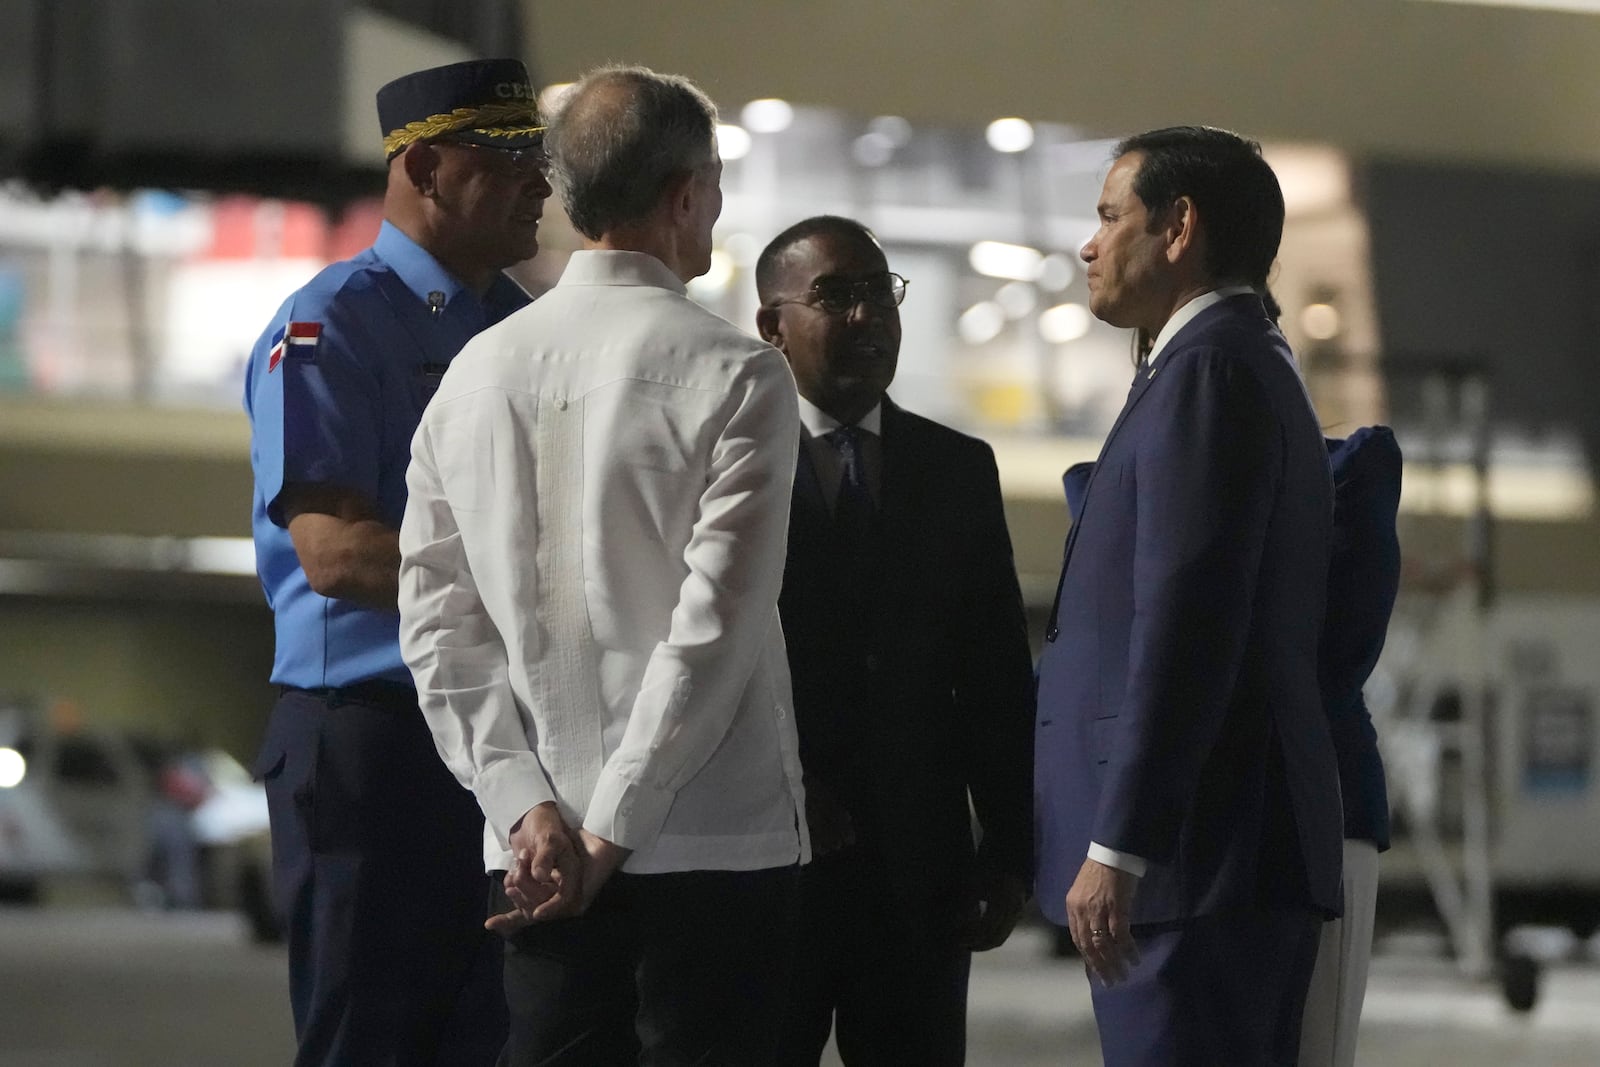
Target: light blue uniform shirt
(335, 388)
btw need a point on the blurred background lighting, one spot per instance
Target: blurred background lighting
(996, 259)
(766, 116)
(1017, 299)
(872, 149)
(742, 248)
(715, 281)
(1010, 135)
(12, 768)
(892, 128)
(1064, 323)
(1057, 272)
(550, 98)
(733, 142)
(1320, 321)
(981, 323)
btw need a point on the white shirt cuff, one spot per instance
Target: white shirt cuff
(626, 813)
(1122, 861)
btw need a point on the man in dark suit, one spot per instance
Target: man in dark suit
(1187, 790)
(912, 674)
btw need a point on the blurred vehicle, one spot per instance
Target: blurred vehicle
(165, 825)
(225, 822)
(72, 803)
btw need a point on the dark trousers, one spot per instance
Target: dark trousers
(664, 970)
(878, 967)
(377, 856)
(1222, 990)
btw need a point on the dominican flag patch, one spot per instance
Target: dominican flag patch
(297, 340)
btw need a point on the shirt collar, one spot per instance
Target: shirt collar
(819, 423)
(1187, 313)
(603, 267)
(420, 272)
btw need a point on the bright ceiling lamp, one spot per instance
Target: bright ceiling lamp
(766, 116)
(996, 259)
(1064, 323)
(981, 323)
(1010, 135)
(733, 142)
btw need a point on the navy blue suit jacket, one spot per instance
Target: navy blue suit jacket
(1363, 579)
(1180, 717)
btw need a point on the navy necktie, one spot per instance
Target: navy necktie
(853, 511)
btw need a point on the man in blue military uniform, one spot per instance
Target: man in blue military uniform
(376, 849)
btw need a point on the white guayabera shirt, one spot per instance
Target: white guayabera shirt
(591, 559)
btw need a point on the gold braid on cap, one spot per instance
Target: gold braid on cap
(496, 120)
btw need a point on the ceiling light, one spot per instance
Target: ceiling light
(1320, 321)
(1017, 299)
(13, 768)
(1057, 272)
(1064, 323)
(892, 127)
(550, 98)
(732, 142)
(1010, 135)
(981, 323)
(718, 276)
(996, 259)
(767, 116)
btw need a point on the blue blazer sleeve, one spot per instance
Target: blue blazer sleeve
(1363, 580)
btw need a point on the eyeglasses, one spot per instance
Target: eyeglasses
(836, 296)
(522, 160)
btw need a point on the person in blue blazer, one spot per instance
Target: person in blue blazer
(1187, 806)
(1363, 580)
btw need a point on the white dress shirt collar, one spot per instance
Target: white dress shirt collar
(1186, 314)
(819, 423)
(603, 267)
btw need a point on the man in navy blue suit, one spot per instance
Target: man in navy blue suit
(1187, 794)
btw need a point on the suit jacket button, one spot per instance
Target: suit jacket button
(1050, 634)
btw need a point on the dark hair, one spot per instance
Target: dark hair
(1232, 186)
(770, 263)
(620, 138)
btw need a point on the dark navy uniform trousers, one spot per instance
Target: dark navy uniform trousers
(377, 859)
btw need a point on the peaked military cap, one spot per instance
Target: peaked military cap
(482, 101)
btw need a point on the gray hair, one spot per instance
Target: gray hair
(621, 137)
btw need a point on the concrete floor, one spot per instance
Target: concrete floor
(107, 987)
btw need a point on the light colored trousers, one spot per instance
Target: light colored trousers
(1339, 982)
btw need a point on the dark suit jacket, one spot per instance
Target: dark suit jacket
(912, 673)
(1180, 717)
(1363, 578)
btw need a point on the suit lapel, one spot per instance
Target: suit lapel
(807, 487)
(1141, 385)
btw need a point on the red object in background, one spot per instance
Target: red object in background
(356, 228)
(247, 227)
(184, 786)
